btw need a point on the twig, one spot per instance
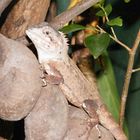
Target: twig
(3, 5)
(60, 20)
(115, 39)
(106, 16)
(127, 78)
(135, 70)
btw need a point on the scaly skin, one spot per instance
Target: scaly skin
(52, 49)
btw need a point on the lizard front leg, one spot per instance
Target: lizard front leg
(50, 75)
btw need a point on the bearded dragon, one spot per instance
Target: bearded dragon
(52, 48)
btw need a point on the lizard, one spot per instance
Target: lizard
(52, 49)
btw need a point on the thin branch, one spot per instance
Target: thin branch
(106, 16)
(3, 5)
(127, 78)
(136, 70)
(60, 20)
(115, 39)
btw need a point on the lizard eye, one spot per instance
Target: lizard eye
(47, 32)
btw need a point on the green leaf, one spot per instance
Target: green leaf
(108, 89)
(97, 44)
(72, 28)
(107, 9)
(107, 86)
(115, 22)
(99, 4)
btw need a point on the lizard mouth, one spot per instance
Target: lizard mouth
(36, 38)
(31, 34)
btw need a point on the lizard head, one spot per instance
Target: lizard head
(50, 44)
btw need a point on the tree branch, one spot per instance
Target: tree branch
(60, 20)
(107, 19)
(3, 5)
(135, 70)
(115, 39)
(128, 77)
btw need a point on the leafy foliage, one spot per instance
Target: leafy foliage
(98, 4)
(107, 86)
(72, 28)
(106, 12)
(119, 57)
(116, 21)
(97, 44)
(107, 9)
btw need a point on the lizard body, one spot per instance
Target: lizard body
(52, 50)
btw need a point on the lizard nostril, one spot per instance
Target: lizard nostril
(51, 39)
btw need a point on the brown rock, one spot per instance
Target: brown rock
(20, 82)
(100, 134)
(78, 126)
(48, 119)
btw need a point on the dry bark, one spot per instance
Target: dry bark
(24, 14)
(4, 4)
